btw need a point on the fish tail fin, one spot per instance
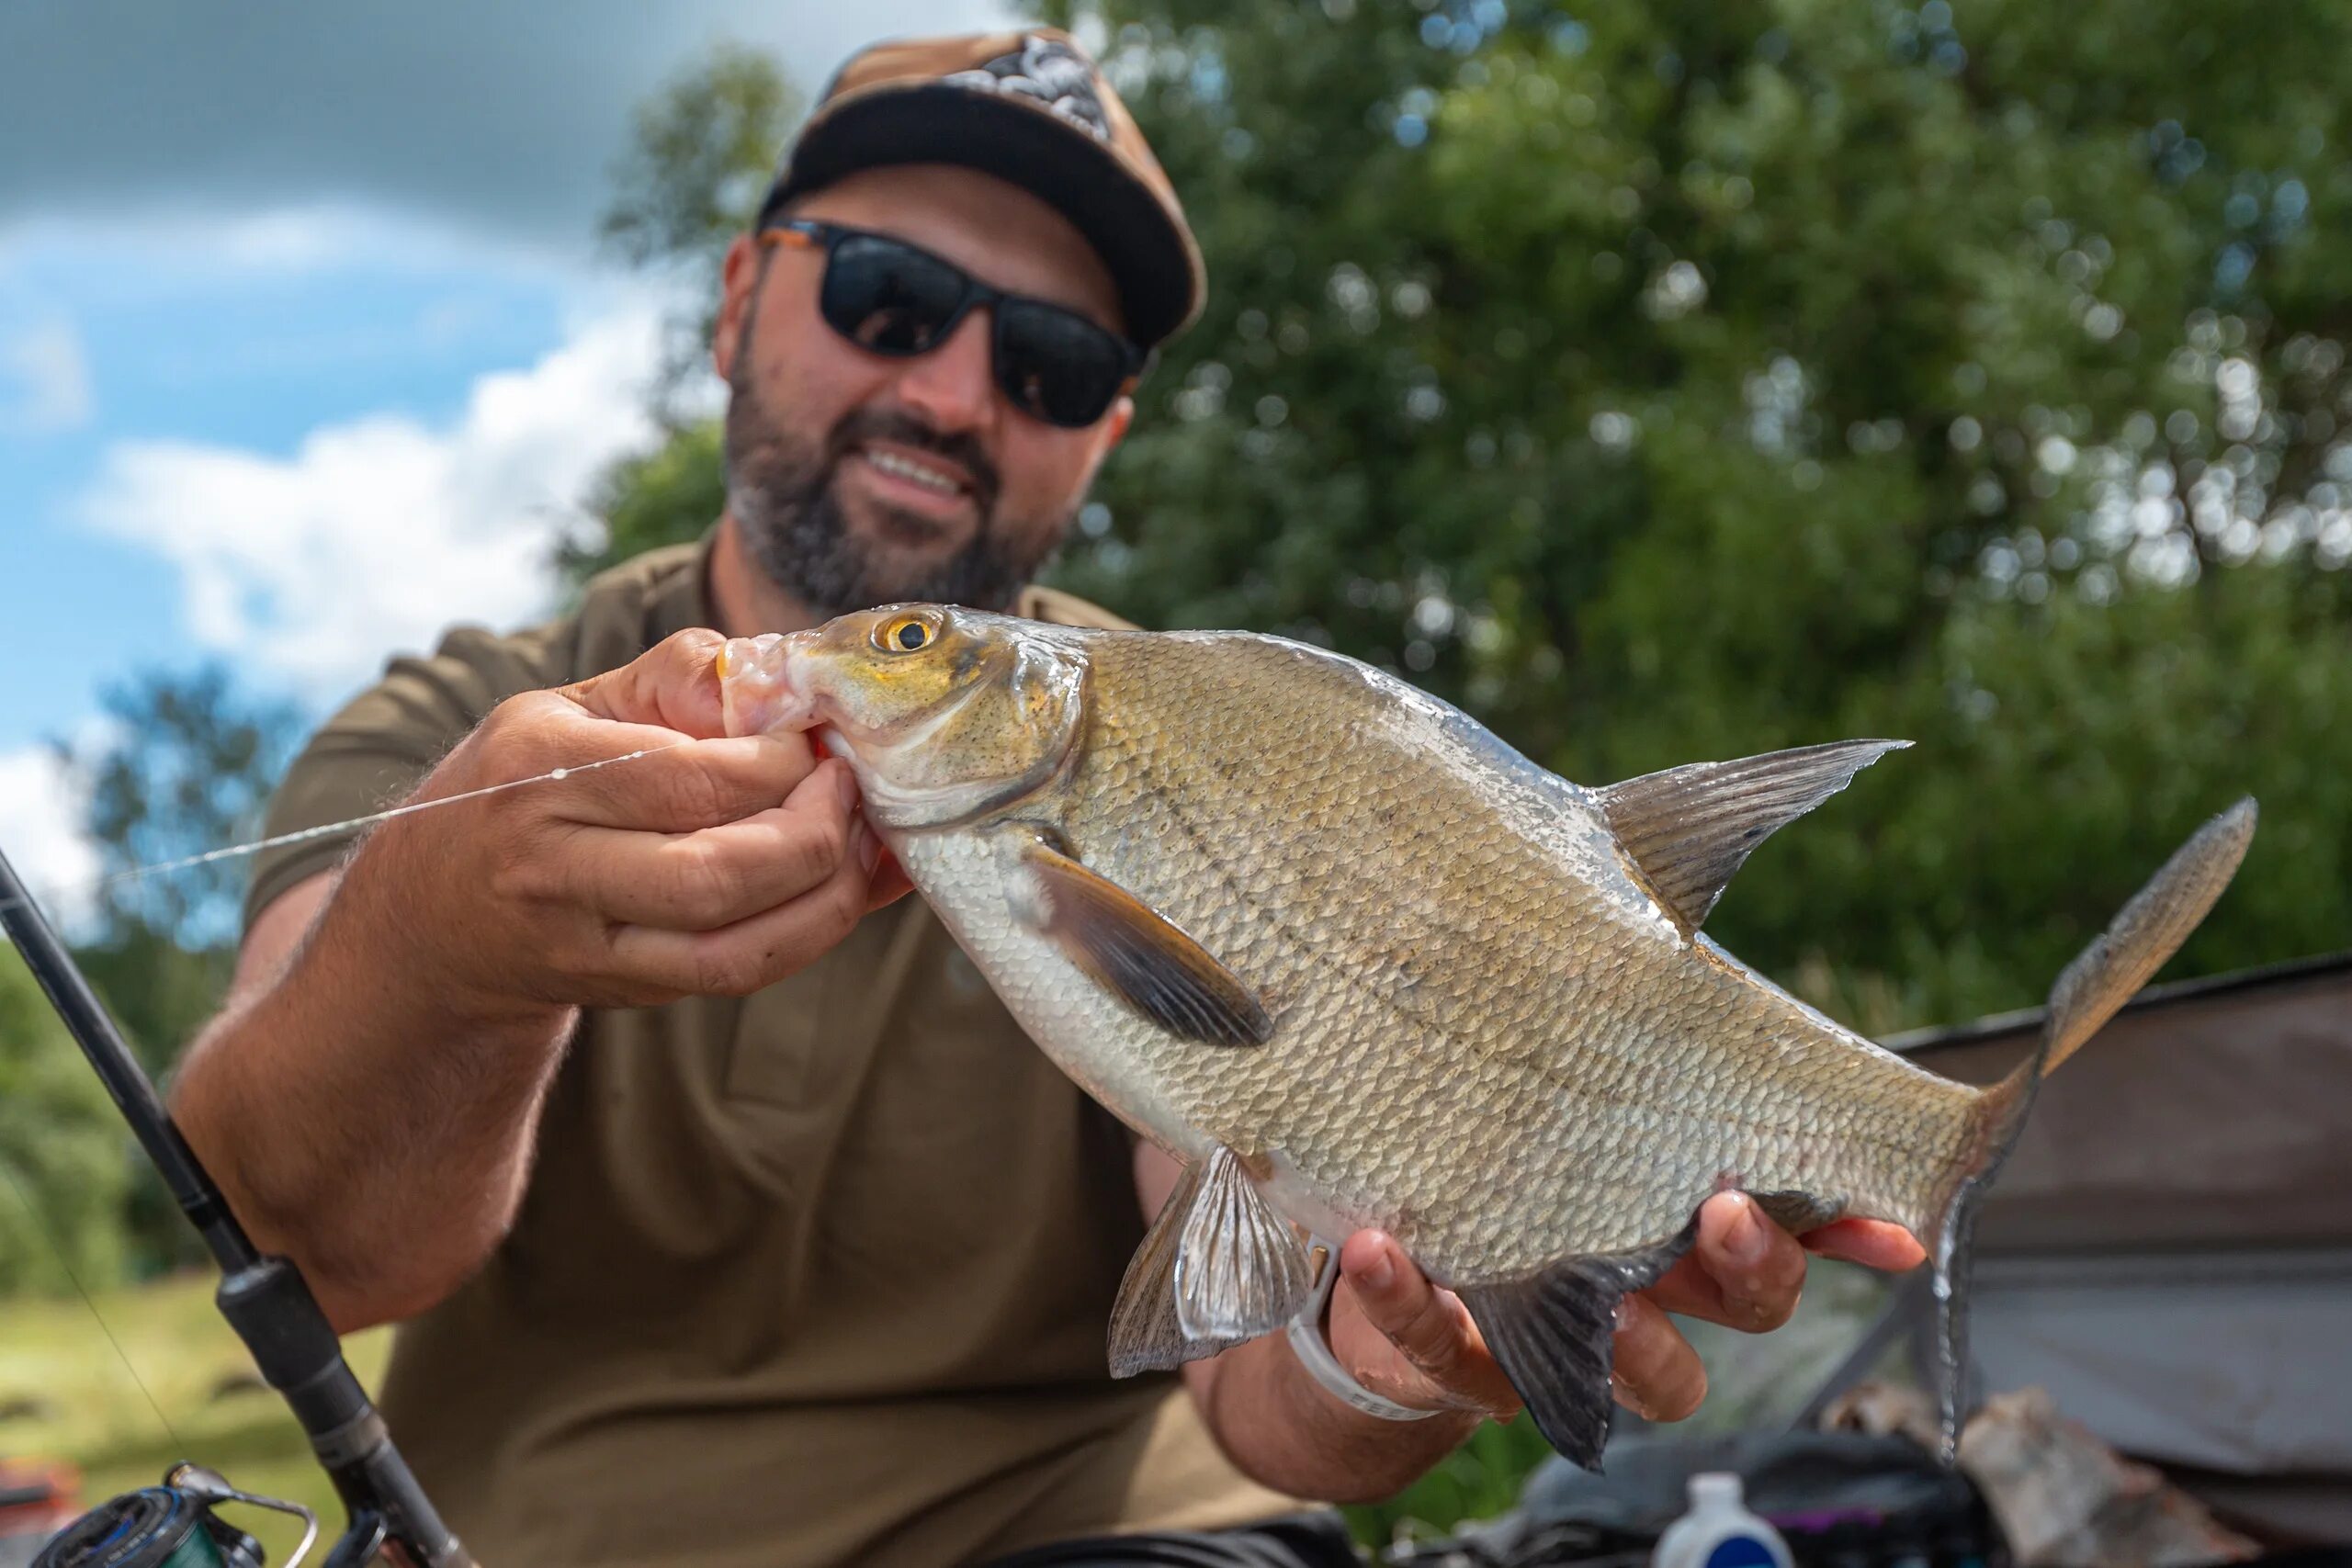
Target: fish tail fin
(2088, 992)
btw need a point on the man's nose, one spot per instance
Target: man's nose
(953, 386)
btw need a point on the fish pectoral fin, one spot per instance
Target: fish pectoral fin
(1553, 1335)
(1136, 953)
(1690, 829)
(1242, 1268)
(1145, 1333)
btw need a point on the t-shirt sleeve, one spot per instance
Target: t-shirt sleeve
(374, 752)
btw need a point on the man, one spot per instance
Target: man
(728, 1216)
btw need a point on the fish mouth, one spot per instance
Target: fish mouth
(760, 688)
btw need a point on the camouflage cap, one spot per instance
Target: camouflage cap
(1028, 106)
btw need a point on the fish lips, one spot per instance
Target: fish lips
(760, 685)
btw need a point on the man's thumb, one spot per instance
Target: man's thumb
(674, 684)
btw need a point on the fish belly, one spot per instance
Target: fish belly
(1091, 1036)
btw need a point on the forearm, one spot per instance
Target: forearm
(365, 1119)
(1280, 1428)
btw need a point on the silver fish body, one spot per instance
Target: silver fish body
(1358, 964)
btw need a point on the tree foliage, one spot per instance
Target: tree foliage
(649, 499)
(699, 159)
(64, 1171)
(1665, 381)
(701, 155)
(183, 766)
(1672, 380)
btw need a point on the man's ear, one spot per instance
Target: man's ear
(738, 277)
(1122, 414)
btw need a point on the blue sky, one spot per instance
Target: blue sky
(305, 349)
(246, 352)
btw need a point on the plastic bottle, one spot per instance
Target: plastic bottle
(1719, 1532)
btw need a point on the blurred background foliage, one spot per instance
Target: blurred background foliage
(1667, 381)
(1659, 381)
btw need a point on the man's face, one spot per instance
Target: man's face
(816, 425)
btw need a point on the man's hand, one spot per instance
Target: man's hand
(1400, 1336)
(714, 865)
(368, 1097)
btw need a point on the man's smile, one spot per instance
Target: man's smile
(919, 482)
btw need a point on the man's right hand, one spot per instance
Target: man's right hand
(713, 865)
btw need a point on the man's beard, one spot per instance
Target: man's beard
(786, 498)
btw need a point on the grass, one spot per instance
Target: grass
(66, 1393)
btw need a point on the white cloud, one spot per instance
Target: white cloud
(41, 832)
(45, 379)
(377, 533)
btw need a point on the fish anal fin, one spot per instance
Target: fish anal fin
(1242, 1268)
(1690, 829)
(1553, 1334)
(1145, 1333)
(1136, 954)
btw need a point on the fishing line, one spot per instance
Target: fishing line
(40, 1225)
(231, 852)
(331, 830)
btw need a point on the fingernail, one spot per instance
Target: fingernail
(845, 782)
(868, 846)
(1746, 1241)
(1382, 1273)
(1628, 1396)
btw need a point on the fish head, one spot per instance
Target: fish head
(944, 713)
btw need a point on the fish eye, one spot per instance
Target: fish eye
(908, 634)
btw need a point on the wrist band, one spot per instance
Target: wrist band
(1314, 1352)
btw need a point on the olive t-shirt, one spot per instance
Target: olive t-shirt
(820, 1276)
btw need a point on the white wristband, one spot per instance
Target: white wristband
(1314, 1351)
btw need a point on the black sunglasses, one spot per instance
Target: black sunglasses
(891, 298)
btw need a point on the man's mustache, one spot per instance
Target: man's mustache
(861, 426)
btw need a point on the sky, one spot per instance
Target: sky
(306, 346)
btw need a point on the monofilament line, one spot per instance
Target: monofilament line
(57, 1246)
(331, 830)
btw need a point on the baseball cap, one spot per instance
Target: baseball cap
(1031, 107)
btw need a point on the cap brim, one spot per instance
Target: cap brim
(1150, 260)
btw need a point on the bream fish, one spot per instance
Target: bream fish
(1357, 962)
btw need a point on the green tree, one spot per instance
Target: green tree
(662, 497)
(185, 767)
(701, 157)
(1665, 381)
(64, 1171)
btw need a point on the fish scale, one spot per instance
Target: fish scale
(1565, 1085)
(1356, 962)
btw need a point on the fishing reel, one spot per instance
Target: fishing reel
(173, 1526)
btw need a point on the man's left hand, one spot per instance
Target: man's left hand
(1402, 1337)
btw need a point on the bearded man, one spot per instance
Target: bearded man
(727, 1216)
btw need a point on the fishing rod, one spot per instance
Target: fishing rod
(270, 1306)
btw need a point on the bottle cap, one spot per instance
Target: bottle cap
(1716, 1488)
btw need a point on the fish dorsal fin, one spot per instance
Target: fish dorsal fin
(1136, 953)
(1689, 828)
(1241, 1269)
